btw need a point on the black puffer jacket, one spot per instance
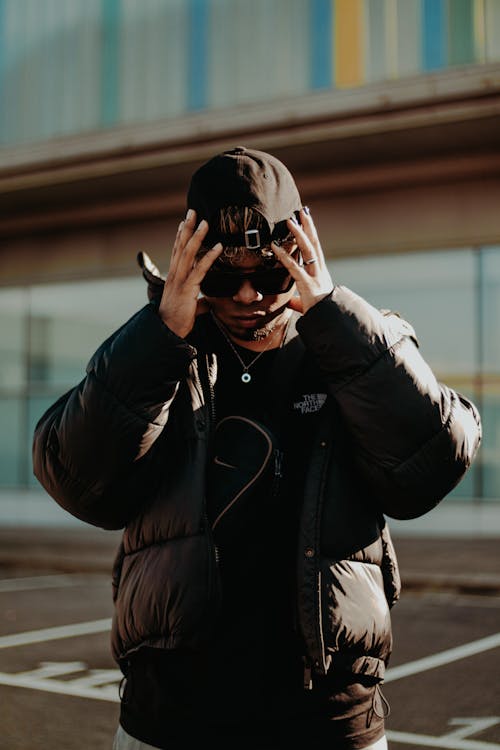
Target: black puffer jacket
(128, 448)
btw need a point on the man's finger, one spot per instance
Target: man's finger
(188, 255)
(205, 262)
(308, 225)
(307, 247)
(184, 233)
(176, 248)
(309, 228)
(189, 226)
(289, 263)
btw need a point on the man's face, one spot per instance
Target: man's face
(249, 314)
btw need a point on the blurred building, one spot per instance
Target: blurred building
(386, 111)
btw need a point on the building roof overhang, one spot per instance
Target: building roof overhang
(437, 127)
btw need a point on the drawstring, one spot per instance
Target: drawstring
(121, 688)
(386, 709)
(307, 675)
(125, 680)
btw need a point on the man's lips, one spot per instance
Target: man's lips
(249, 320)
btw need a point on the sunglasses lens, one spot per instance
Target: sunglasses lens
(220, 284)
(227, 284)
(275, 281)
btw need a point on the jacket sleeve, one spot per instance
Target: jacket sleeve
(90, 449)
(414, 437)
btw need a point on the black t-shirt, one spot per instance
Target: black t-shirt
(252, 671)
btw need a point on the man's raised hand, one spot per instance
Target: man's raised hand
(180, 302)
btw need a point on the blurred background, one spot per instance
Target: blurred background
(386, 111)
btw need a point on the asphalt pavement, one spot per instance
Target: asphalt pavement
(458, 564)
(56, 667)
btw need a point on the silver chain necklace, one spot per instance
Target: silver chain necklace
(246, 377)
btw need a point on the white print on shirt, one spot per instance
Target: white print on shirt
(309, 403)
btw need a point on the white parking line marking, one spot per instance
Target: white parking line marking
(54, 669)
(63, 687)
(101, 684)
(42, 582)
(97, 677)
(442, 658)
(471, 725)
(53, 634)
(407, 738)
(83, 688)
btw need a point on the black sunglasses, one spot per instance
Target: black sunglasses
(228, 283)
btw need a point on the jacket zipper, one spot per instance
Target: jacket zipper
(208, 529)
(212, 398)
(318, 663)
(278, 470)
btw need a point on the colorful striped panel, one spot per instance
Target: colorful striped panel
(320, 32)
(348, 41)
(434, 34)
(460, 32)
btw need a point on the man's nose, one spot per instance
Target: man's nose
(247, 294)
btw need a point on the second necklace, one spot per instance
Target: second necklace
(245, 376)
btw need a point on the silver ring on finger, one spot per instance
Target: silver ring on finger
(310, 261)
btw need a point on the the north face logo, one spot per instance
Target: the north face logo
(309, 403)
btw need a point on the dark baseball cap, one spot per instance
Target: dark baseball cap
(245, 178)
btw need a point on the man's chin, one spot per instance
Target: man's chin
(256, 330)
(251, 334)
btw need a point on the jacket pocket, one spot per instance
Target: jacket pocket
(356, 619)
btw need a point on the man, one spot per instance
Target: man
(249, 429)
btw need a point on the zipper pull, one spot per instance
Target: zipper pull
(278, 464)
(307, 676)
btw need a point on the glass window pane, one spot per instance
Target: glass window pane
(152, 52)
(69, 322)
(490, 450)
(490, 283)
(11, 459)
(490, 352)
(434, 291)
(12, 338)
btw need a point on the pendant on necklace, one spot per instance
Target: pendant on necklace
(246, 377)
